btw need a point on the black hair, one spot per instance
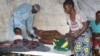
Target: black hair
(97, 12)
(68, 2)
(16, 29)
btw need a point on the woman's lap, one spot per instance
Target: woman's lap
(83, 44)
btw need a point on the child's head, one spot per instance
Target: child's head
(17, 31)
(98, 15)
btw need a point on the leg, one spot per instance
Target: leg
(96, 51)
(70, 39)
(71, 44)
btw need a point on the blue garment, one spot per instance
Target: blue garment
(82, 44)
(95, 28)
(22, 18)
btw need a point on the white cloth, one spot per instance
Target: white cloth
(18, 37)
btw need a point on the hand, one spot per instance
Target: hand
(39, 37)
(35, 36)
(36, 40)
(75, 35)
(33, 39)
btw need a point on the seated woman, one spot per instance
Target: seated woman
(78, 25)
(95, 27)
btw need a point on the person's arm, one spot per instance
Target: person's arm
(29, 26)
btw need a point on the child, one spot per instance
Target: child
(17, 38)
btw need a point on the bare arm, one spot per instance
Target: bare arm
(85, 26)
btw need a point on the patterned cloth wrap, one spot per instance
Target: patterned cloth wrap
(60, 44)
(30, 45)
(22, 46)
(25, 44)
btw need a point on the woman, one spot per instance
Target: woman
(22, 18)
(95, 27)
(78, 25)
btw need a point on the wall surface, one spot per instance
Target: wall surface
(51, 16)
